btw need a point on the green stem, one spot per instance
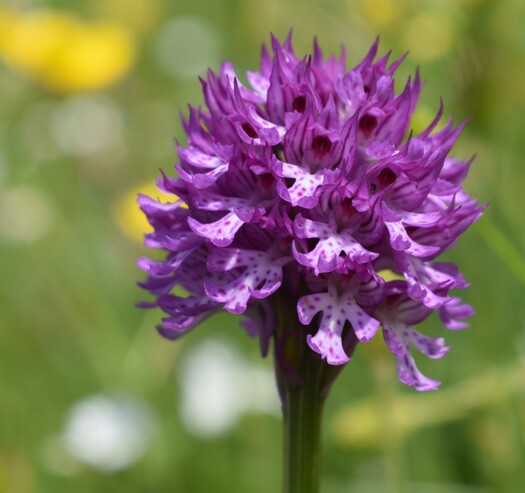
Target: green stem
(303, 380)
(302, 413)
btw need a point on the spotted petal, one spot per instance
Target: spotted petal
(397, 338)
(302, 191)
(336, 312)
(401, 241)
(256, 274)
(324, 256)
(221, 232)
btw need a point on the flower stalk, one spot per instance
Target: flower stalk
(302, 418)
(303, 381)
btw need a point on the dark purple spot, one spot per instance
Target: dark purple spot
(321, 145)
(250, 131)
(367, 124)
(299, 104)
(267, 181)
(348, 209)
(386, 177)
(286, 241)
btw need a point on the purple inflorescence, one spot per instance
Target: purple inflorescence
(308, 184)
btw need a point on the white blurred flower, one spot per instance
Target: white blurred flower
(108, 433)
(186, 47)
(86, 125)
(218, 386)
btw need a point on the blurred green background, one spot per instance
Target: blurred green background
(91, 398)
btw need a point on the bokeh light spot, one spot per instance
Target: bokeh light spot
(380, 13)
(108, 433)
(26, 215)
(85, 125)
(429, 35)
(186, 47)
(218, 386)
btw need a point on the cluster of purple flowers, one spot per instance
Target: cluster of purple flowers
(308, 183)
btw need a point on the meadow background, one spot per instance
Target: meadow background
(91, 398)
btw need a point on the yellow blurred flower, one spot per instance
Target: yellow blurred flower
(127, 215)
(379, 13)
(64, 53)
(140, 15)
(429, 35)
